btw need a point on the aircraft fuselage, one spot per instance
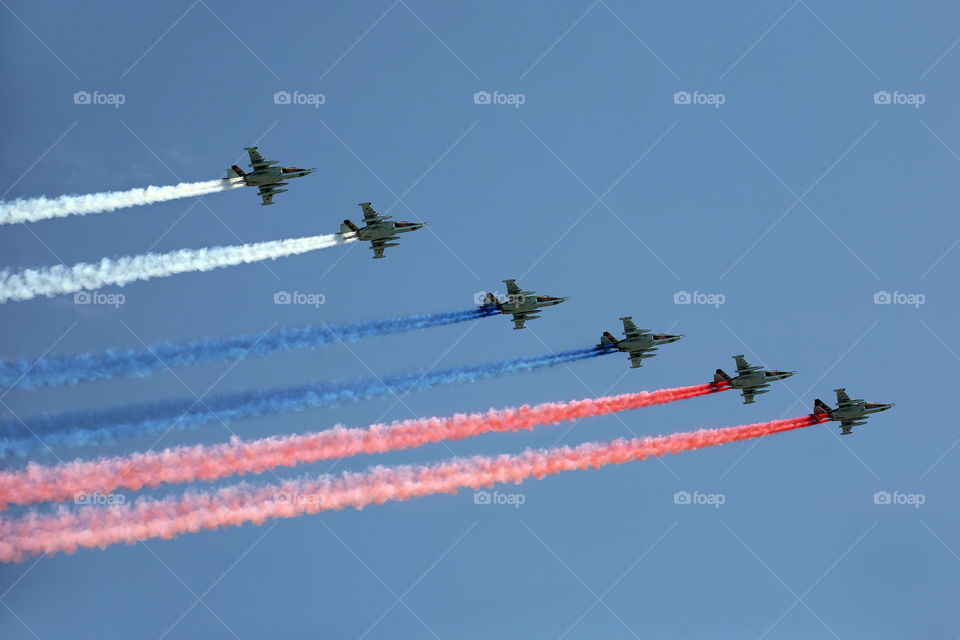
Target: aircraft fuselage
(759, 378)
(386, 230)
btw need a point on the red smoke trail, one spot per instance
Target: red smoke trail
(186, 464)
(170, 517)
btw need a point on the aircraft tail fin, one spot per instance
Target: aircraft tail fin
(820, 408)
(348, 227)
(490, 300)
(721, 376)
(235, 172)
(607, 339)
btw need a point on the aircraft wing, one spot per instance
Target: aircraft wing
(257, 161)
(843, 400)
(370, 216)
(380, 244)
(744, 367)
(637, 356)
(512, 288)
(846, 426)
(750, 393)
(520, 318)
(630, 330)
(267, 192)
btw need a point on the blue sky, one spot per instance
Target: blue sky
(797, 199)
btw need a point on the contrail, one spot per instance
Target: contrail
(88, 428)
(71, 369)
(43, 208)
(99, 526)
(211, 462)
(59, 279)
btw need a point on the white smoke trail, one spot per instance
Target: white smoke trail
(42, 208)
(59, 279)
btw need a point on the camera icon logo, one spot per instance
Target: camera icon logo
(681, 497)
(881, 497)
(882, 297)
(281, 297)
(81, 97)
(481, 497)
(481, 97)
(881, 97)
(81, 297)
(682, 297)
(681, 97)
(281, 97)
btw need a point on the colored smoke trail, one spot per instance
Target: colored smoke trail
(43, 208)
(60, 279)
(202, 462)
(71, 369)
(91, 527)
(88, 428)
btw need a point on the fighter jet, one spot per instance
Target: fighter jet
(522, 305)
(265, 176)
(849, 412)
(750, 379)
(639, 343)
(378, 230)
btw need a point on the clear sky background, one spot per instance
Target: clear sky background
(797, 199)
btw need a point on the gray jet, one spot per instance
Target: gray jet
(522, 305)
(265, 176)
(639, 343)
(849, 412)
(750, 379)
(378, 230)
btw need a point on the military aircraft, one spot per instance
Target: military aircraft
(849, 412)
(639, 343)
(522, 305)
(265, 176)
(378, 230)
(750, 379)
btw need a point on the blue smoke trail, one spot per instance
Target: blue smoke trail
(89, 428)
(71, 369)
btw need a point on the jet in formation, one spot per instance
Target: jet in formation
(751, 380)
(522, 305)
(849, 412)
(378, 230)
(639, 343)
(265, 176)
